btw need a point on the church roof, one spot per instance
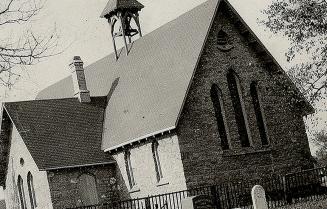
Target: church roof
(148, 86)
(61, 133)
(114, 5)
(146, 89)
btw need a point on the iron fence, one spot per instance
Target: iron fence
(306, 185)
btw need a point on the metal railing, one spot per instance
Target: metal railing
(292, 188)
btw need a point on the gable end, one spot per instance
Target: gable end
(268, 59)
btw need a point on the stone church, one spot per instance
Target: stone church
(198, 101)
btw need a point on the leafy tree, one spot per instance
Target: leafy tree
(320, 140)
(19, 45)
(304, 23)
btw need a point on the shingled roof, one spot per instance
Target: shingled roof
(2, 204)
(146, 89)
(61, 133)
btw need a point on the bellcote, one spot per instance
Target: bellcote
(123, 12)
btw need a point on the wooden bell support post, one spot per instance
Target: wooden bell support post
(123, 14)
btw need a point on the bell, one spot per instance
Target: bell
(131, 31)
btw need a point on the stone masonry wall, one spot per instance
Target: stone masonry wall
(203, 159)
(64, 185)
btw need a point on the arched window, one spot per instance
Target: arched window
(20, 184)
(259, 113)
(216, 97)
(222, 38)
(31, 190)
(239, 109)
(223, 42)
(156, 160)
(129, 169)
(87, 189)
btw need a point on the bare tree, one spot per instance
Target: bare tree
(304, 23)
(26, 47)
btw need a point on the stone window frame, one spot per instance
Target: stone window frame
(223, 41)
(156, 160)
(231, 74)
(259, 113)
(20, 184)
(129, 169)
(31, 190)
(220, 110)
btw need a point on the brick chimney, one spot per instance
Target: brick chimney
(80, 89)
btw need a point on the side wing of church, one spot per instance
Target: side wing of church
(199, 101)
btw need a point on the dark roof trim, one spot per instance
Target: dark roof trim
(78, 166)
(140, 142)
(4, 110)
(197, 62)
(154, 134)
(309, 108)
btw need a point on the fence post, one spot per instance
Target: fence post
(284, 188)
(287, 196)
(147, 203)
(229, 204)
(215, 195)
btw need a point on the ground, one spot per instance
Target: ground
(312, 204)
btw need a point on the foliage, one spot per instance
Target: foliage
(320, 140)
(19, 45)
(304, 23)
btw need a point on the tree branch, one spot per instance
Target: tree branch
(30, 48)
(304, 23)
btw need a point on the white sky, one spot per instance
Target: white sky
(83, 32)
(87, 35)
